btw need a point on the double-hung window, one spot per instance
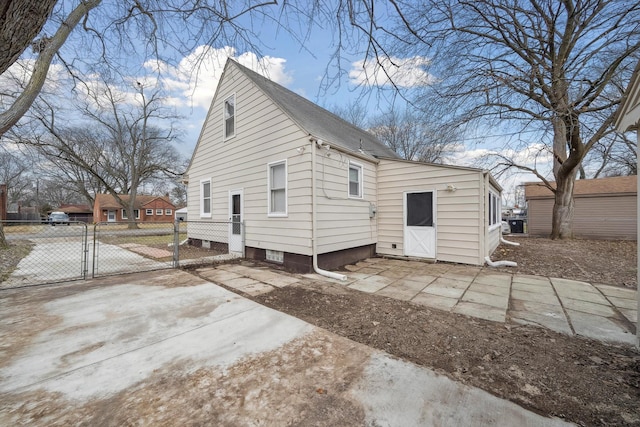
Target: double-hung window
(205, 198)
(355, 180)
(494, 209)
(277, 188)
(149, 212)
(230, 117)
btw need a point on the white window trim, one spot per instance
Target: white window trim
(224, 118)
(204, 214)
(136, 212)
(497, 213)
(148, 212)
(360, 180)
(286, 189)
(161, 212)
(168, 211)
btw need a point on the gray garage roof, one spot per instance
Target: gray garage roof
(317, 121)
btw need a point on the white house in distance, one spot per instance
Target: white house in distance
(315, 192)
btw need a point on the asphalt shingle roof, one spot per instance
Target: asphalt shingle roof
(583, 187)
(317, 121)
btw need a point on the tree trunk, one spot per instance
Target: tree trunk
(3, 240)
(562, 219)
(566, 165)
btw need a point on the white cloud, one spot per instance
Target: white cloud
(402, 72)
(193, 82)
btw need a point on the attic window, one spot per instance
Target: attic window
(230, 117)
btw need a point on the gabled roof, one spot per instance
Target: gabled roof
(317, 121)
(586, 187)
(107, 201)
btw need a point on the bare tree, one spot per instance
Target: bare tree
(353, 112)
(120, 147)
(414, 136)
(15, 173)
(545, 68)
(110, 34)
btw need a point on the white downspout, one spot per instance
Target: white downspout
(314, 231)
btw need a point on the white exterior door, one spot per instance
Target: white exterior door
(420, 224)
(235, 221)
(111, 216)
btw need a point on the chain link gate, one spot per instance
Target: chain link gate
(39, 252)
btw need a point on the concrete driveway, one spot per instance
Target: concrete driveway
(169, 348)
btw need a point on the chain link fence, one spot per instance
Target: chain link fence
(41, 253)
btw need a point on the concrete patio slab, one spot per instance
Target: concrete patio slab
(604, 310)
(501, 302)
(502, 280)
(172, 349)
(402, 289)
(532, 281)
(541, 297)
(550, 316)
(394, 273)
(540, 319)
(630, 314)
(435, 301)
(371, 284)
(426, 279)
(480, 311)
(564, 284)
(623, 303)
(613, 291)
(449, 282)
(444, 291)
(581, 295)
(503, 290)
(217, 275)
(239, 283)
(600, 328)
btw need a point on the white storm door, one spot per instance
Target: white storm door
(235, 221)
(111, 216)
(420, 224)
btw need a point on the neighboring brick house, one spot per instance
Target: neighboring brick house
(146, 209)
(605, 208)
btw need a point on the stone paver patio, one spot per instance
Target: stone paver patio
(596, 311)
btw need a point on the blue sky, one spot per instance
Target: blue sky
(299, 68)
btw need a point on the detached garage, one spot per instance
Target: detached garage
(605, 208)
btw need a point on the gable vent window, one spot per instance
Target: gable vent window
(230, 117)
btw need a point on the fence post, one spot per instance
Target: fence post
(94, 261)
(176, 243)
(85, 250)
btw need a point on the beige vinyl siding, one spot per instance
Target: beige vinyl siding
(343, 222)
(596, 217)
(459, 213)
(263, 135)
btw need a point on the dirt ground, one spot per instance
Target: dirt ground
(580, 380)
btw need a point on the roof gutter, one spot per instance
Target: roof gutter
(314, 216)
